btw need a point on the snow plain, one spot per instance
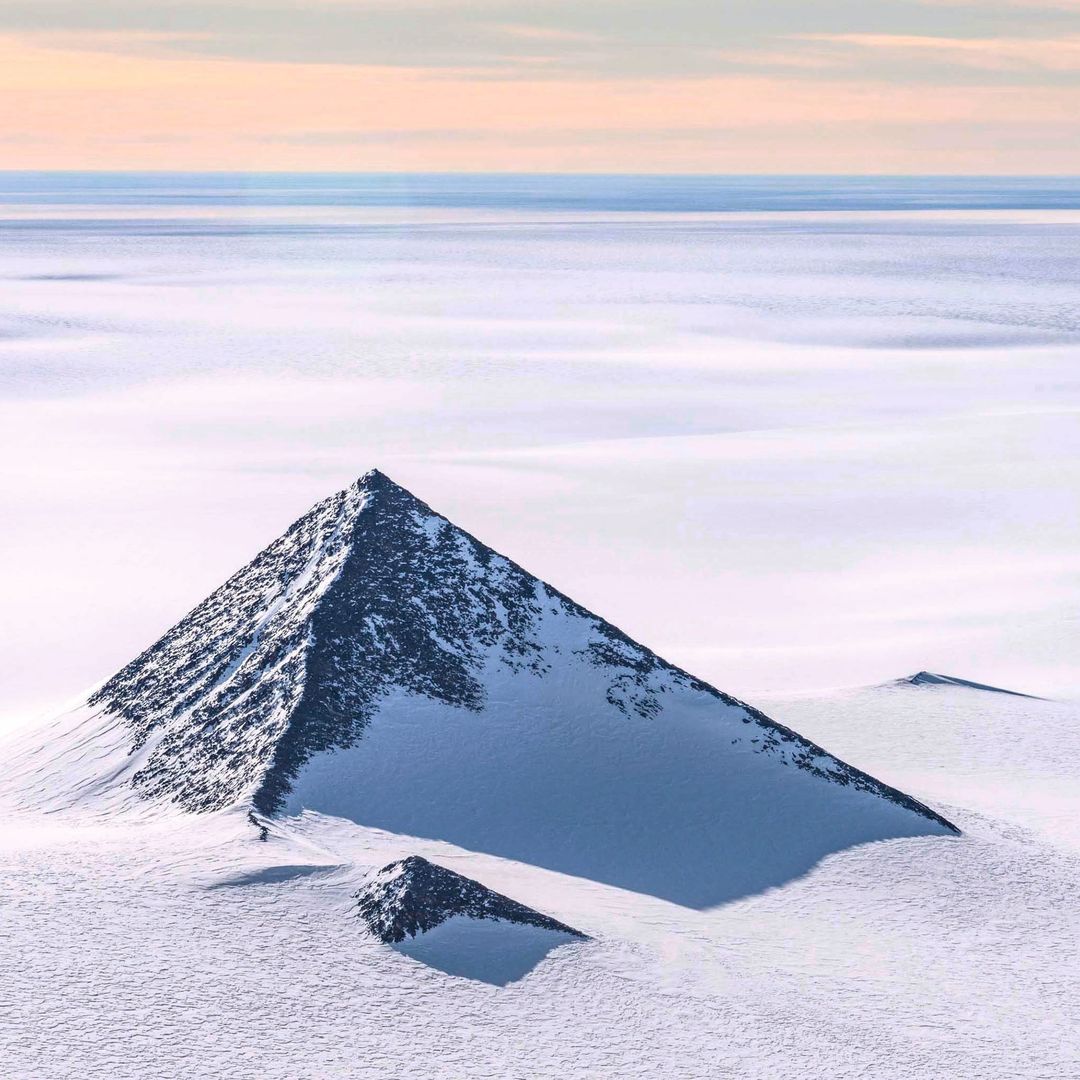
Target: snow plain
(178, 946)
(789, 451)
(786, 450)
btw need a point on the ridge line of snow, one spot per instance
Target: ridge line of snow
(348, 512)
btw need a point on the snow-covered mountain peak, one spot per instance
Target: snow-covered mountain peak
(375, 479)
(369, 590)
(377, 663)
(413, 896)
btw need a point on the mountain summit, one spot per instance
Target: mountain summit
(377, 663)
(370, 591)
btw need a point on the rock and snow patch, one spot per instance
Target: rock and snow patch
(413, 896)
(454, 924)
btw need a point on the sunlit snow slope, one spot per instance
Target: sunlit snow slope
(178, 944)
(380, 665)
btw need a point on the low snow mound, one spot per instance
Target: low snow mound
(931, 678)
(82, 759)
(414, 896)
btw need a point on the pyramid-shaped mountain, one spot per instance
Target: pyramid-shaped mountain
(413, 896)
(379, 664)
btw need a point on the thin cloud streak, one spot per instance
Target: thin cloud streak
(994, 54)
(596, 87)
(507, 38)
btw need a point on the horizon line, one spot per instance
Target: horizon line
(6, 171)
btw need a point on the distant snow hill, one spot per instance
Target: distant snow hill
(931, 678)
(378, 664)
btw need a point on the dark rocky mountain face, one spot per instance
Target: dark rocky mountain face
(416, 605)
(220, 691)
(413, 896)
(217, 692)
(370, 593)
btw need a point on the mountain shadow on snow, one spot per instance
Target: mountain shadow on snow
(379, 664)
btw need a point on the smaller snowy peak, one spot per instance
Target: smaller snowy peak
(931, 678)
(413, 896)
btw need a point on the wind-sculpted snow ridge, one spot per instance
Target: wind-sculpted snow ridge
(931, 678)
(369, 595)
(413, 896)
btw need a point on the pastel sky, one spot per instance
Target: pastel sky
(860, 86)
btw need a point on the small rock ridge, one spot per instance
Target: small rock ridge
(932, 678)
(413, 896)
